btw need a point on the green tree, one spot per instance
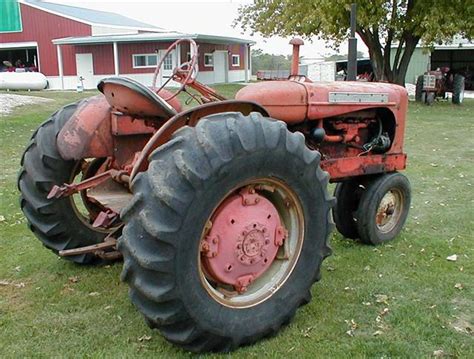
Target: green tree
(380, 24)
(264, 61)
(337, 57)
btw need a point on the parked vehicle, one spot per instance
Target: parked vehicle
(437, 84)
(221, 212)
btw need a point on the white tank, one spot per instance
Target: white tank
(22, 81)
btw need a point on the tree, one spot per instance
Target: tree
(381, 24)
(337, 57)
(264, 61)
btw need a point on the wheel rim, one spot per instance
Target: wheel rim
(84, 211)
(290, 212)
(389, 210)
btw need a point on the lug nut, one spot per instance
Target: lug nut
(204, 247)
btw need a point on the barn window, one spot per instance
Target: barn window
(208, 60)
(235, 60)
(145, 60)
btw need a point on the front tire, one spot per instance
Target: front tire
(55, 222)
(347, 195)
(383, 208)
(186, 181)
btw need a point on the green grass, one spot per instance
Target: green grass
(51, 307)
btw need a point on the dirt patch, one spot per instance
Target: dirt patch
(12, 296)
(462, 322)
(8, 102)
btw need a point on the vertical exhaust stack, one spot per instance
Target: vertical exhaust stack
(352, 54)
(296, 42)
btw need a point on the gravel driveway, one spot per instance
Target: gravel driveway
(8, 102)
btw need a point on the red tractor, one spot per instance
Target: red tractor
(221, 212)
(437, 84)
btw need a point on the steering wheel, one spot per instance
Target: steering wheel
(184, 73)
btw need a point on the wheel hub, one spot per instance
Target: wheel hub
(389, 211)
(252, 244)
(243, 241)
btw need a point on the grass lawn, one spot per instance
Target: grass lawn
(403, 299)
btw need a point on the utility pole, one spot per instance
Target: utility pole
(352, 55)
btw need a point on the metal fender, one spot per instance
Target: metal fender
(190, 118)
(88, 131)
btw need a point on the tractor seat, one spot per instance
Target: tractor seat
(132, 98)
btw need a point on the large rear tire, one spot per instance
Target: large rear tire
(458, 89)
(419, 89)
(187, 179)
(55, 222)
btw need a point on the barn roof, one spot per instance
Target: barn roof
(91, 17)
(151, 36)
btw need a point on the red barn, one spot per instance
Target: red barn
(68, 43)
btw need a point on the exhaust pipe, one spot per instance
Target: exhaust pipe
(296, 42)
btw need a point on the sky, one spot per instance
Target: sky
(213, 17)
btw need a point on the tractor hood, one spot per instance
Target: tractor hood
(294, 101)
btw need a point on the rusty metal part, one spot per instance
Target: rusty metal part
(108, 255)
(295, 59)
(184, 74)
(251, 248)
(105, 219)
(242, 283)
(110, 195)
(242, 239)
(341, 168)
(249, 196)
(109, 243)
(130, 97)
(284, 100)
(300, 103)
(87, 133)
(86, 208)
(68, 189)
(123, 125)
(350, 131)
(106, 250)
(207, 93)
(294, 101)
(94, 132)
(389, 210)
(191, 118)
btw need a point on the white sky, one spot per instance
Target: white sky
(213, 17)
